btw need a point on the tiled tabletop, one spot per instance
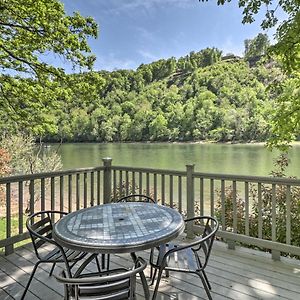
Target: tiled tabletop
(118, 227)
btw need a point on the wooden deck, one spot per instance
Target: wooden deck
(234, 274)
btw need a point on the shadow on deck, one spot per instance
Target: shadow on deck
(234, 274)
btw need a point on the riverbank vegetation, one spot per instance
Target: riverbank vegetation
(206, 95)
(201, 96)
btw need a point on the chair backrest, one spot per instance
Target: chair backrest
(136, 198)
(210, 227)
(40, 226)
(114, 284)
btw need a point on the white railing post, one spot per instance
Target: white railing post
(107, 179)
(190, 199)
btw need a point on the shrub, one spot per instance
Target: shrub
(280, 165)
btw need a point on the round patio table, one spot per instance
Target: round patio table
(119, 228)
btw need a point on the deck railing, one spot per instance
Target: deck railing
(257, 211)
(63, 190)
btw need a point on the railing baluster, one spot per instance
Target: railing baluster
(127, 182)
(163, 189)
(288, 214)
(171, 197)
(77, 191)
(155, 186)
(92, 189)
(247, 208)
(223, 203)
(234, 206)
(61, 193)
(190, 199)
(52, 197)
(273, 212)
(84, 189)
(70, 208)
(259, 207)
(147, 184)
(180, 194)
(31, 195)
(120, 184)
(275, 252)
(98, 186)
(115, 184)
(212, 198)
(21, 199)
(201, 197)
(43, 195)
(140, 183)
(133, 182)
(9, 248)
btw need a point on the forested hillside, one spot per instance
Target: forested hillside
(201, 96)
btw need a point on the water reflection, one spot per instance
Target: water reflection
(242, 159)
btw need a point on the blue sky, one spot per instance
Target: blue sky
(132, 32)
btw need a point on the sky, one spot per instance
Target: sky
(132, 32)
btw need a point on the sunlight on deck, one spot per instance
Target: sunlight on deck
(240, 274)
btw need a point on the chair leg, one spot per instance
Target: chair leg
(153, 278)
(167, 273)
(98, 263)
(157, 283)
(205, 276)
(108, 260)
(30, 279)
(205, 285)
(52, 269)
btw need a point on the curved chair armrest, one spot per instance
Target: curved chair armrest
(98, 279)
(28, 225)
(208, 219)
(195, 243)
(125, 198)
(48, 240)
(201, 218)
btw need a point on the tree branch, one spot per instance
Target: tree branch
(30, 29)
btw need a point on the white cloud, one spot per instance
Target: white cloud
(147, 55)
(146, 5)
(229, 47)
(111, 63)
(145, 34)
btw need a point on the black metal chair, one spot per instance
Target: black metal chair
(136, 198)
(117, 284)
(40, 226)
(187, 258)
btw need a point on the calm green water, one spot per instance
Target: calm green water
(245, 159)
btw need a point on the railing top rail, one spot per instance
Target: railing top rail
(25, 177)
(232, 177)
(149, 170)
(249, 178)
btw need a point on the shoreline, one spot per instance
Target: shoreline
(47, 144)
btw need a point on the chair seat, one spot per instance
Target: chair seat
(116, 290)
(189, 257)
(115, 296)
(116, 284)
(56, 255)
(183, 260)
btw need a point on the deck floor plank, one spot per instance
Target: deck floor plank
(241, 274)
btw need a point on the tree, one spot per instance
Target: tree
(257, 47)
(30, 30)
(286, 51)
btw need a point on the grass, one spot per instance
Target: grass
(14, 230)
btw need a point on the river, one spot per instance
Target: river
(243, 159)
